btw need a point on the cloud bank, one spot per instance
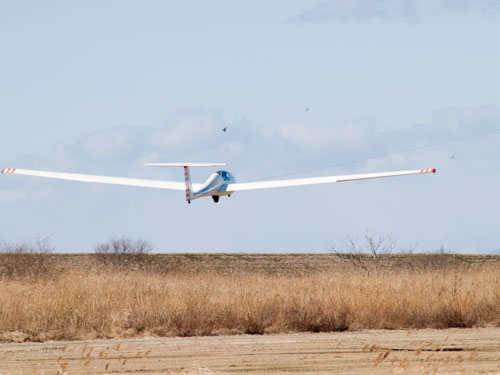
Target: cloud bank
(457, 205)
(255, 150)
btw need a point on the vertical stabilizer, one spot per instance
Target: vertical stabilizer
(189, 188)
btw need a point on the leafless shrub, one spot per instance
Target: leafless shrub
(102, 248)
(366, 254)
(123, 252)
(124, 245)
(349, 252)
(36, 245)
(29, 258)
(376, 253)
(410, 248)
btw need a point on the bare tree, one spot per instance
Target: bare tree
(349, 251)
(30, 258)
(411, 247)
(121, 252)
(378, 246)
(365, 254)
(142, 246)
(124, 245)
(36, 245)
(42, 245)
(102, 248)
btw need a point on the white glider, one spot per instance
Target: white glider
(218, 184)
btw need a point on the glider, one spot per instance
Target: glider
(218, 184)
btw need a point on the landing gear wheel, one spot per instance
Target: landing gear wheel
(215, 198)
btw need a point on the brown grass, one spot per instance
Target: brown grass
(77, 304)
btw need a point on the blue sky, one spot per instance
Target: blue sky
(102, 87)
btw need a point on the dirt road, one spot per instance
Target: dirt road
(455, 351)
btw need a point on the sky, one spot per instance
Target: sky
(102, 87)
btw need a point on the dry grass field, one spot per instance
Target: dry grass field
(256, 314)
(76, 297)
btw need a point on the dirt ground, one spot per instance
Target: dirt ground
(452, 351)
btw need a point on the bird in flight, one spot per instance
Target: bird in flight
(219, 183)
(307, 109)
(224, 129)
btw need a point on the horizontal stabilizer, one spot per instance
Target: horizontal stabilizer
(185, 164)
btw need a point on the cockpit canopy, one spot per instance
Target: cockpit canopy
(226, 176)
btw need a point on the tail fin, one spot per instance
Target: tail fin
(189, 188)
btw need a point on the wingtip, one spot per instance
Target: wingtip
(433, 170)
(8, 170)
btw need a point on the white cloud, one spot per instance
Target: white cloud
(106, 144)
(347, 10)
(196, 136)
(9, 196)
(469, 5)
(413, 10)
(314, 137)
(187, 130)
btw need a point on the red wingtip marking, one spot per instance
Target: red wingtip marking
(433, 170)
(3, 170)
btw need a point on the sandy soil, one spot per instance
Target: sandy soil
(456, 351)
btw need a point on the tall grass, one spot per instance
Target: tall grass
(77, 304)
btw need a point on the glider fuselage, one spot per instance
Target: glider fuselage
(215, 186)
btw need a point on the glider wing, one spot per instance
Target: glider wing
(319, 180)
(171, 185)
